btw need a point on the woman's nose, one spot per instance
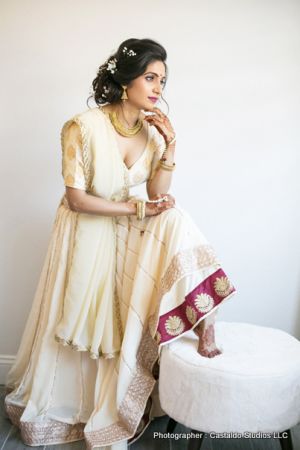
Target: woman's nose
(158, 89)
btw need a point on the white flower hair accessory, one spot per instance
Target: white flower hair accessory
(106, 91)
(128, 52)
(111, 65)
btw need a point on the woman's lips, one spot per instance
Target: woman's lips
(153, 99)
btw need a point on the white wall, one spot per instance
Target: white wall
(233, 93)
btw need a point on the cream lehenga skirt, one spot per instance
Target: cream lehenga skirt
(85, 366)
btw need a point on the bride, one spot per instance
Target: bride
(123, 276)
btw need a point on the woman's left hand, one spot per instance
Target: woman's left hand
(162, 123)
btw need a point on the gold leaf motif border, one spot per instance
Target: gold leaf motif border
(210, 293)
(181, 265)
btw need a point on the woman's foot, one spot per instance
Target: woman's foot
(205, 330)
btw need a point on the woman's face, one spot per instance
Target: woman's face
(148, 85)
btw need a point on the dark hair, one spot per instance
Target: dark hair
(107, 86)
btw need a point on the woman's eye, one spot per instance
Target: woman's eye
(163, 82)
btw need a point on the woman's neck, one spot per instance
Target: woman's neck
(127, 114)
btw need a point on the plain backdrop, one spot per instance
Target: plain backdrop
(233, 93)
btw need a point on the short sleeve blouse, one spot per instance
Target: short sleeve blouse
(72, 158)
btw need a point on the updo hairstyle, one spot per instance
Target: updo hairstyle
(107, 86)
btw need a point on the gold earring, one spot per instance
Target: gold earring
(124, 95)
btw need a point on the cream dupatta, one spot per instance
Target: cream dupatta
(91, 278)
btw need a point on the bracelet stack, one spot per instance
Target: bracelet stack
(165, 166)
(140, 209)
(141, 205)
(163, 159)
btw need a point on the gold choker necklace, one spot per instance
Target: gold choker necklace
(121, 129)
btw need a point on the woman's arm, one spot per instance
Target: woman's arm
(72, 169)
(82, 202)
(161, 181)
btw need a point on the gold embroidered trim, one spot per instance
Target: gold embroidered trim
(112, 433)
(125, 188)
(87, 166)
(157, 337)
(86, 154)
(118, 313)
(45, 433)
(81, 348)
(185, 262)
(137, 394)
(182, 264)
(14, 413)
(71, 247)
(131, 410)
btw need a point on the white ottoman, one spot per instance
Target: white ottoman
(253, 386)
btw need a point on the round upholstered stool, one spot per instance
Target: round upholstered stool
(253, 386)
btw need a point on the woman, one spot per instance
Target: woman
(122, 276)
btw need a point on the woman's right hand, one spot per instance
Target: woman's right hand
(153, 209)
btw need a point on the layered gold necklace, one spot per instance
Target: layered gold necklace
(121, 129)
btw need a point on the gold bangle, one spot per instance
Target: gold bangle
(167, 169)
(166, 166)
(140, 209)
(143, 208)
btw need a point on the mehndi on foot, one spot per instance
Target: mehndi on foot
(205, 330)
